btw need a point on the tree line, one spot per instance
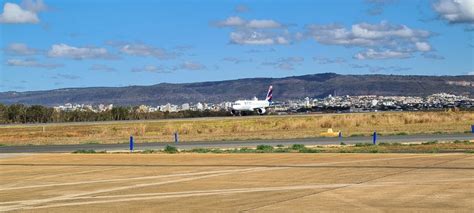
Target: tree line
(19, 113)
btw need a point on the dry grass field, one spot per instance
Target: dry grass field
(239, 128)
(237, 182)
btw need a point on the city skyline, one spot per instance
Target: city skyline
(59, 44)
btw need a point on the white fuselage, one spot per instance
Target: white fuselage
(250, 105)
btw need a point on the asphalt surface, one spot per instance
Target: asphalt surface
(234, 144)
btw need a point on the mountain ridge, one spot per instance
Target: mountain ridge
(291, 87)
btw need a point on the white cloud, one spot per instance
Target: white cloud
(14, 14)
(233, 21)
(236, 21)
(365, 34)
(20, 49)
(31, 63)
(102, 67)
(324, 60)
(430, 55)
(285, 66)
(294, 59)
(256, 31)
(66, 76)
(256, 38)
(150, 68)
(262, 24)
(189, 65)
(455, 11)
(470, 73)
(379, 69)
(387, 54)
(236, 60)
(138, 49)
(423, 46)
(78, 53)
(383, 40)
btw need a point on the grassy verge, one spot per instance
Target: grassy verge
(426, 147)
(241, 128)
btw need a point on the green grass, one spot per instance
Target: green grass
(87, 151)
(429, 143)
(363, 144)
(461, 142)
(148, 151)
(170, 149)
(390, 144)
(401, 133)
(298, 146)
(264, 148)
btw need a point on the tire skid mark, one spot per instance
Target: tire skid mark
(117, 180)
(22, 204)
(357, 184)
(32, 203)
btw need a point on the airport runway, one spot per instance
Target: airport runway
(234, 144)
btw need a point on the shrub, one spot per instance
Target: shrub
(170, 149)
(342, 144)
(429, 142)
(297, 146)
(265, 148)
(280, 146)
(374, 151)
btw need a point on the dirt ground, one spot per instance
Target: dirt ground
(237, 182)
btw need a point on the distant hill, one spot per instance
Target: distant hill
(317, 85)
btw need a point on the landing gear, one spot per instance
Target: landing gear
(236, 113)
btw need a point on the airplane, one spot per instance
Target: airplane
(255, 105)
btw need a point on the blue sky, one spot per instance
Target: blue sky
(59, 44)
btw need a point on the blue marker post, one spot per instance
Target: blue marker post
(375, 137)
(176, 137)
(472, 129)
(131, 143)
(340, 136)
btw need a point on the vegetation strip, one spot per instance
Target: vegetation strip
(425, 147)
